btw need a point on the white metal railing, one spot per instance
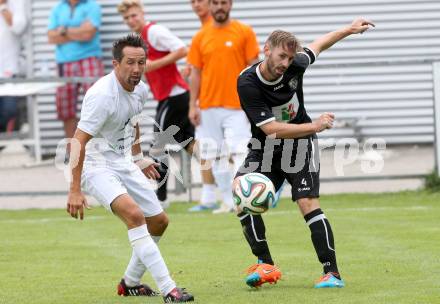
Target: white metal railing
(436, 87)
(435, 78)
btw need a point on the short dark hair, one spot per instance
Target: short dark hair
(132, 40)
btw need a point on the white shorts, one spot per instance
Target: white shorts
(107, 183)
(221, 132)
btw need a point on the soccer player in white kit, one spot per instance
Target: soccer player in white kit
(112, 168)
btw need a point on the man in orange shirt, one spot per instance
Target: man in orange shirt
(218, 53)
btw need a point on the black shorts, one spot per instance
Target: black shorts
(174, 111)
(298, 164)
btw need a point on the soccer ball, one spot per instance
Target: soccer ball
(253, 193)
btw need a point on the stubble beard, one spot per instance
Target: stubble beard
(221, 20)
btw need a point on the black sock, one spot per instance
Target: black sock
(162, 181)
(322, 238)
(255, 233)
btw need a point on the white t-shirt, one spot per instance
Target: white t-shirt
(109, 114)
(10, 38)
(163, 40)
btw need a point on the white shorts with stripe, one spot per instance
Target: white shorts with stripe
(106, 183)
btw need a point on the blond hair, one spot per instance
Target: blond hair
(125, 5)
(283, 38)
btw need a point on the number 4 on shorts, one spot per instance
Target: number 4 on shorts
(304, 182)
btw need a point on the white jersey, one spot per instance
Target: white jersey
(10, 37)
(163, 40)
(108, 114)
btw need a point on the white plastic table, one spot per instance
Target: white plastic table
(29, 89)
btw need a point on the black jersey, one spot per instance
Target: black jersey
(281, 100)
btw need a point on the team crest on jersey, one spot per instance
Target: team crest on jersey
(293, 83)
(287, 111)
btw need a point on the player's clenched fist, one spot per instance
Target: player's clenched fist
(325, 121)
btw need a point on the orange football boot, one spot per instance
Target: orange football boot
(259, 274)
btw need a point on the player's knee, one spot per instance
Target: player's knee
(162, 222)
(158, 224)
(307, 205)
(134, 217)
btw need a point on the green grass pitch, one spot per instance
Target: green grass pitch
(388, 248)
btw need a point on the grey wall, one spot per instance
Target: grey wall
(382, 80)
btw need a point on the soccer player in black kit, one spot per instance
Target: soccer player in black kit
(284, 144)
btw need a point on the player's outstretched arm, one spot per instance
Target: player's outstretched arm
(359, 25)
(285, 130)
(76, 200)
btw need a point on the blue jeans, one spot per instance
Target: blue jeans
(8, 110)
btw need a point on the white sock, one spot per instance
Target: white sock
(156, 238)
(147, 251)
(135, 268)
(223, 178)
(208, 194)
(134, 272)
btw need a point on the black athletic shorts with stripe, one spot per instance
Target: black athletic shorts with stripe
(298, 163)
(174, 111)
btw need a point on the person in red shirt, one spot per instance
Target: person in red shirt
(165, 81)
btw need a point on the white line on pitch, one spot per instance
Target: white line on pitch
(51, 219)
(271, 212)
(364, 209)
(294, 209)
